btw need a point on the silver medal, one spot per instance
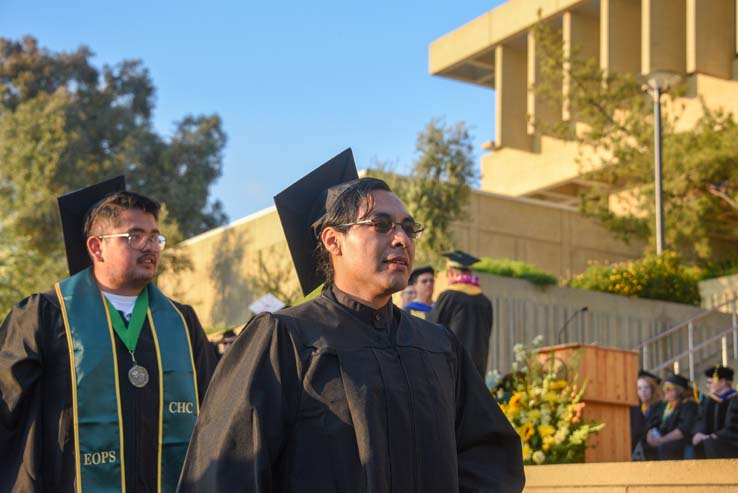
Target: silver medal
(138, 376)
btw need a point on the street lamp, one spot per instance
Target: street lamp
(658, 82)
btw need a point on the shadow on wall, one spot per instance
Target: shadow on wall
(232, 293)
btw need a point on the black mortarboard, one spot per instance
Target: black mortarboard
(678, 380)
(302, 205)
(73, 208)
(644, 373)
(721, 371)
(460, 260)
(420, 270)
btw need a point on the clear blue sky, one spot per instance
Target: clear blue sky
(294, 82)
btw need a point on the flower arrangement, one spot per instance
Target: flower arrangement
(545, 408)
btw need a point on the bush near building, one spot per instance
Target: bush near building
(657, 277)
(515, 268)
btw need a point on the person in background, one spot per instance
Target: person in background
(464, 309)
(422, 280)
(407, 296)
(715, 433)
(670, 425)
(649, 398)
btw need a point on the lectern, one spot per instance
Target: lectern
(611, 375)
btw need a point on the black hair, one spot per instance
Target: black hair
(108, 209)
(344, 210)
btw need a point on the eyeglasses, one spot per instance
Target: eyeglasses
(139, 241)
(384, 226)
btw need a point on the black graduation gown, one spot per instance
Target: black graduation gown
(36, 438)
(470, 318)
(683, 417)
(317, 398)
(638, 423)
(712, 414)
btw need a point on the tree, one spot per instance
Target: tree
(64, 124)
(437, 190)
(614, 128)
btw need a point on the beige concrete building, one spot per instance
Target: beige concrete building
(695, 39)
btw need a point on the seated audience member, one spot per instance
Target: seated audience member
(670, 425)
(716, 430)
(649, 396)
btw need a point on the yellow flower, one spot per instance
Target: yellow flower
(558, 384)
(546, 430)
(527, 431)
(534, 414)
(539, 457)
(551, 397)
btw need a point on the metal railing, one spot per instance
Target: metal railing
(690, 326)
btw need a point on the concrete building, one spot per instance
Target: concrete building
(496, 51)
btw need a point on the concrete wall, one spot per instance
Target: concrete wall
(720, 290)
(706, 476)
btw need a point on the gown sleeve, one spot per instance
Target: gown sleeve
(489, 450)
(249, 408)
(20, 396)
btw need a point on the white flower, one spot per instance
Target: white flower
(539, 457)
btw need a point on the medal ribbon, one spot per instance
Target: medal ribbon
(129, 335)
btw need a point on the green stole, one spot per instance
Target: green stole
(98, 423)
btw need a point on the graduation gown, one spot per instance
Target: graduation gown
(328, 397)
(468, 313)
(36, 428)
(683, 418)
(712, 413)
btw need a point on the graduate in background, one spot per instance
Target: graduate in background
(346, 392)
(101, 378)
(422, 281)
(716, 431)
(464, 309)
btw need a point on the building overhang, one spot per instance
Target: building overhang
(468, 52)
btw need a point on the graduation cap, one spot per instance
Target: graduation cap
(460, 260)
(73, 208)
(678, 380)
(648, 374)
(302, 205)
(418, 272)
(719, 371)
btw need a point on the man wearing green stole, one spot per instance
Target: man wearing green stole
(102, 377)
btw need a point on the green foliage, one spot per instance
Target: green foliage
(655, 277)
(516, 269)
(437, 190)
(615, 123)
(64, 124)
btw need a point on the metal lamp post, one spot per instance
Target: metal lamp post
(658, 82)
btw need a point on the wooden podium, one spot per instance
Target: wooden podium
(611, 375)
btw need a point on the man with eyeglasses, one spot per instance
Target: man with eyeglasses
(346, 392)
(101, 378)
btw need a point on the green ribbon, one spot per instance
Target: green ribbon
(129, 335)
